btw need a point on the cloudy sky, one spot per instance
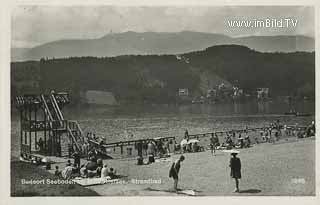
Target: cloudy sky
(35, 25)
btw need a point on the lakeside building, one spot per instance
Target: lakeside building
(97, 97)
(262, 93)
(183, 92)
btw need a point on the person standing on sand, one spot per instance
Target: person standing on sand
(76, 157)
(235, 165)
(186, 135)
(212, 148)
(174, 171)
(214, 140)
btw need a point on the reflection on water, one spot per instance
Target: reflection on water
(248, 108)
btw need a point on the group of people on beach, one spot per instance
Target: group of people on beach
(242, 139)
(188, 145)
(152, 148)
(93, 168)
(269, 134)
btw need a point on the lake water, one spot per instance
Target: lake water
(158, 121)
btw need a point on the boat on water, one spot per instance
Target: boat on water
(297, 114)
(303, 114)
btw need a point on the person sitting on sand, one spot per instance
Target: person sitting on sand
(235, 165)
(83, 171)
(241, 142)
(91, 168)
(57, 172)
(91, 154)
(310, 130)
(75, 169)
(99, 167)
(267, 137)
(229, 142)
(41, 145)
(195, 147)
(69, 162)
(174, 172)
(112, 173)
(104, 171)
(166, 147)
(67, 172)
(247, 141)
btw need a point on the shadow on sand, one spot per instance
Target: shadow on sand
(180, 191)
(250, 191)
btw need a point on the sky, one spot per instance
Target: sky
(35, 25)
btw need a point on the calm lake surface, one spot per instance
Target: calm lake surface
(157, 121)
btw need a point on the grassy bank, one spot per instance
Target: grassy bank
(24, 171)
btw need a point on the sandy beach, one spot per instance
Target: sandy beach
(285, 168)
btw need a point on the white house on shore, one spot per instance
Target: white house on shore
(96, 97)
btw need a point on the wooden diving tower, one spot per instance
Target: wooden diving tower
(43, 128)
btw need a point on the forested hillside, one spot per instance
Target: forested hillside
(157, 78)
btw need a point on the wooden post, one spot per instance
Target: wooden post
(21, 132)
(35, 134)
(25, 132)
(30, 140)
(59, 153)
(45, 133)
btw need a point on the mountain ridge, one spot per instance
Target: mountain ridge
(157, 43)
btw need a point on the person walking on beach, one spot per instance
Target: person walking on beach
(174, 171)
(214, 141)
(235, 166)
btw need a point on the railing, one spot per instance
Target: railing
(132, 148)
(46, 108)
(191, 136)
(56, 107)
(34, 125)
(73, 138)
(25, 149)
(27, 100)
(76, 134)
(74, 126)
(61, 98)
(129, 142)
